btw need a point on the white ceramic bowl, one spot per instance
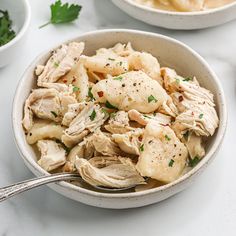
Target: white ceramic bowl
(178, 20)
(20, 14)
(170, 53)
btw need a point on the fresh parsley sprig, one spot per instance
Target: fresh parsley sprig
(63, 13)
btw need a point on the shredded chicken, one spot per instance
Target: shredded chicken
(195, 104)
(129, 142)
(120, 173)
(118, 123)
(52, 155)
(61, 62)
(46, 104)
(89, 118)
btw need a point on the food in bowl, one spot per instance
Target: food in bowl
(184, 5)
(117, 117)
(6, 31)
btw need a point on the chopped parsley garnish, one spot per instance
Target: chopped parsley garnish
(177, 80)
(113, 115)
(188, 79)
(63, 13)
(54, 113)
(147, 116)
(6, 32)
(90, 94)
(93, 115)
(171, 163)
(111, 59)
(120, 63)
(154, 114)
(167, 137)
(141, 148)
(105, 111)
(56, 64)
(109, 105)
(67, 149)
(75, 89)
(118, 78)
(151, 98)
(186, 135)
(193, 162)
(200, 116)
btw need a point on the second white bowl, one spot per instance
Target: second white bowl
(178, 20)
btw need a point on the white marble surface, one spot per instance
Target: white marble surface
(207, 208)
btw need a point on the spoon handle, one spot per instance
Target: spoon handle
(11, 190)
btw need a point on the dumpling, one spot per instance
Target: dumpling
(144, 119)
(78, 77)
(43, 129)
(147, 63)
(162, 156)
(111, 172)
(132, 90)
(106, 61)
(52, 155)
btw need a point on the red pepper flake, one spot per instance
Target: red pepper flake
(140, 138)
(100, 93)
(74, 79)
(192, 113)
(64, 80)
(181, 98)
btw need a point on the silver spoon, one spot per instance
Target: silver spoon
(11, 190)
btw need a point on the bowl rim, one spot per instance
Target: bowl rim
(70, 187)
(176, 13)
(23, 29)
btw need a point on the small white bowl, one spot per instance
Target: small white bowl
(20, 14)
(170, 53)
(178, 20)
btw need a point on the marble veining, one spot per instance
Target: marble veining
(207, 208)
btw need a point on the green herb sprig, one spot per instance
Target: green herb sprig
(6, 32)
(63, 13)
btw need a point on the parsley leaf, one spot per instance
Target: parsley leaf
(193, 162)
(63, 13)
(54, 113)
(109, 105)
(171, 163)
(200, 116)
(188, 79)
(111, 59)
(151, 98)
(118, 78)
(90, 94)
(141, 148)
(75, 89)
(6, 32)
(167, 137)
(93, 115)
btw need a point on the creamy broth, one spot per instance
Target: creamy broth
(176, 5)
